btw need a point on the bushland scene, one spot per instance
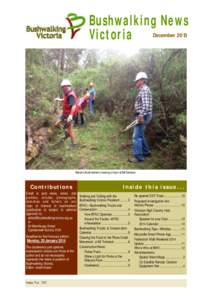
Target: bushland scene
(101, 142)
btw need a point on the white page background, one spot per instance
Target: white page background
(13, 173)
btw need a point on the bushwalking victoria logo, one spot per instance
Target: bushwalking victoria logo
(107, 27)
(74, 24)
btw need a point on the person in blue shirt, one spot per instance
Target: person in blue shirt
(143, 114)
(92, 97)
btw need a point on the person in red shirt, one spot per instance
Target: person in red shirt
(69, 110)
(81, 105)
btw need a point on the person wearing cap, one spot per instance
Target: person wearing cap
(143, 114)
(69, 104)
(92, 97)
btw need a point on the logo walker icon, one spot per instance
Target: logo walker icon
(75, 23)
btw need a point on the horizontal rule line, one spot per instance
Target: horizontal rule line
(111, 233)
(115, 266)
(115, 252)
(115, 224)
(112, 210)
(116, 261)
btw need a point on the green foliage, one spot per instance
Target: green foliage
(100, 147)
(41, 89)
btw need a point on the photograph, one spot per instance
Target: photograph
(106, 109)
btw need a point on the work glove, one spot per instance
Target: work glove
(58, 99)
(70, 119)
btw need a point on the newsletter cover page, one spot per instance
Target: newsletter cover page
(109, 119)
(106, 100)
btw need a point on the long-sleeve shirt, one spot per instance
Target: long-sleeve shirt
(92, 92)
(143, 102)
